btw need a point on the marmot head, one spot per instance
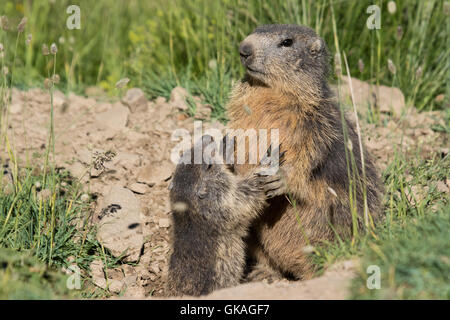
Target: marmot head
(201, 190)
(285, 56)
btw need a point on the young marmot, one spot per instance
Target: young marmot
(286, 88)
(212, 211)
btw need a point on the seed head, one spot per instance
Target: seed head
(180, 207)
(350, 145)
(1, 47)
(61, 40)
(48, 83)
(45, 50)
(122, 83)
(391, 67)
(4, 23)
(22, 25)
(418, 72)
(53, 48)
(446, 8)
(331, 190)
(28, 40)
(360, 65)
(99, 159)
(308, 249)
(55, 78)
(392, 7)
(212, 64)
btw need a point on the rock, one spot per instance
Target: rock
(153, 174)
(120, 228)
(115, 118)
(442, 187)
(217, 125)
(139, 188)
(98, 277)
(154, 267)
(127, 160)
(134, 292)
(387, 99)
(115, 285)
(164, 223)
(203, 111)
(135, 99)
(160, 100)
(178, 98)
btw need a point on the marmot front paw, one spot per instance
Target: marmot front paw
(271, 178)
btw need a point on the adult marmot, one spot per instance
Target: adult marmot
(286, 88)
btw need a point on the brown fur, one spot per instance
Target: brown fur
(292, 95)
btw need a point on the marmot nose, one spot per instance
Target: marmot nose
(245, 50)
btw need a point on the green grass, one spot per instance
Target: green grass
(46, 233)
(414, 261)
(24, 277)
(194, 43)
(411, 246)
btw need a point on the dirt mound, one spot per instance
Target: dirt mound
(121, 151)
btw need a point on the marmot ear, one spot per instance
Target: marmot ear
(208, 149)
(316, 46)
(227, 148)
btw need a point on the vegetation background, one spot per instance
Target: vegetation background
(160, 44)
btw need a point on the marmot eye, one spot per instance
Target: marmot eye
(286, 43)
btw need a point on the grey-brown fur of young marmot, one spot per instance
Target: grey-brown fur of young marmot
(286, 88)
(212, 210)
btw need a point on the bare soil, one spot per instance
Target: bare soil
(139, 132)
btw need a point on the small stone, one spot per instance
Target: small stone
(84, 197)
(135, 99)
(140, 188)
(134, 292)
(178, 98)
(98, 277)
(120, 228)
(115, 286)
(154, 267)
(130, 280)
(154, 174)
(442, 187)
(164, 223)
(203, 111)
